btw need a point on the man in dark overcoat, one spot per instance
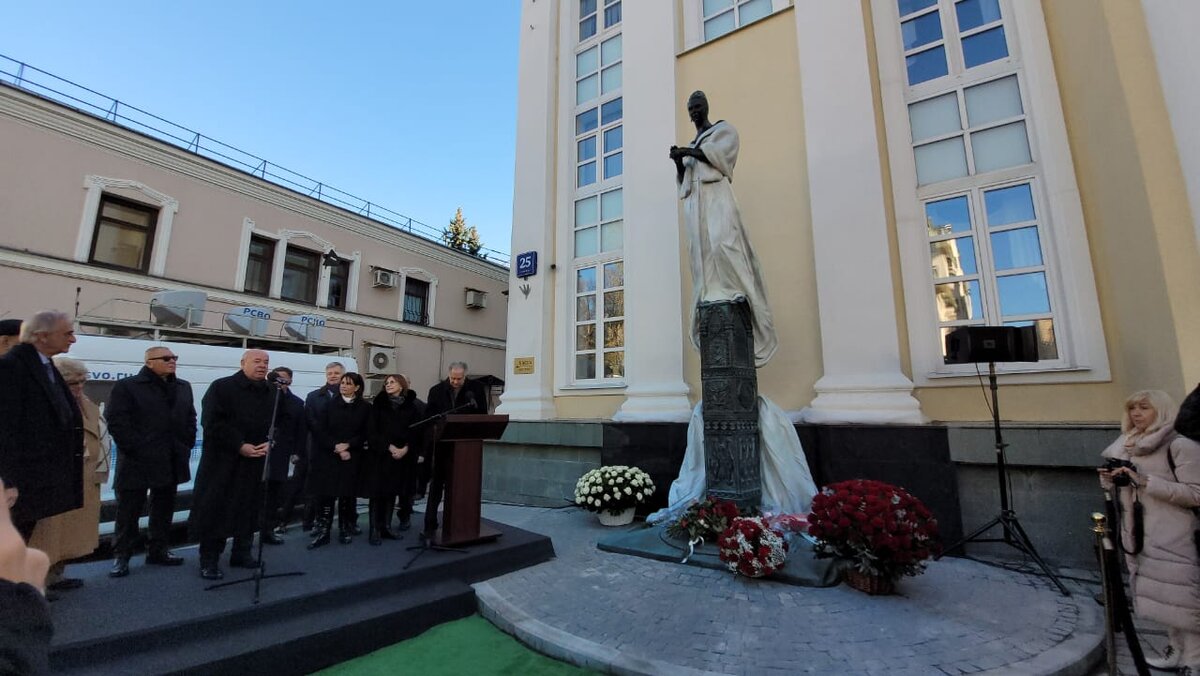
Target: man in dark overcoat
(452, 393)
(314, 412)
(227, 496)
(41, 426)
(291, 441)
(152, 418)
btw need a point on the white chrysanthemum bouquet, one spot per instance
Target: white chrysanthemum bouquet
(613, 488)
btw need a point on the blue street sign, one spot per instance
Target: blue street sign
(527, 264)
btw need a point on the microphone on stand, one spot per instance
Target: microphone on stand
(278, 379)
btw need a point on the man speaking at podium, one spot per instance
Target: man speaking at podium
(461, 396)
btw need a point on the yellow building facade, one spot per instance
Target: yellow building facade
(1037, 140)
(906, 167)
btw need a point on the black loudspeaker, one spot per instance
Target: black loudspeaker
(998, 344)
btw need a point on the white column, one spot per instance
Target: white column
(862, 380)
(655, 388)
(531, 317)
(1172, 26)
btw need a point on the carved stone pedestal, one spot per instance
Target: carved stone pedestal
(730, 402)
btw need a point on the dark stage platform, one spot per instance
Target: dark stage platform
(352, 600)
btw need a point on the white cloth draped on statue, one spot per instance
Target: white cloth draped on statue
(723, 263)
(787, 484)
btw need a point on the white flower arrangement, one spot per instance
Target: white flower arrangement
(614, 488)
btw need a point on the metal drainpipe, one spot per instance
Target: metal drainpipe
(441, 358)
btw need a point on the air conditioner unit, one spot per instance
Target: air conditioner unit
(476, 298)
(178, 308)
(381, 361)
(385, 279)
(248, 321)
(305, 327)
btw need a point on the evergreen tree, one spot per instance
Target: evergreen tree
(459, 235)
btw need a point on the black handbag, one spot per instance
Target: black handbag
(1187, 421)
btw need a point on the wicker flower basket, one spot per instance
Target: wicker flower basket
(875, 585)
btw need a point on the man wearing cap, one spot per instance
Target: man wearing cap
(41, 431)
(153, 420)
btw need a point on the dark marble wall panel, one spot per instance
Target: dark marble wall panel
(916, 458)
(656, 448)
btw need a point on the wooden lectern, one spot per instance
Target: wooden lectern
(460, 446)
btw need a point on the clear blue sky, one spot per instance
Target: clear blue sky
(411, 105)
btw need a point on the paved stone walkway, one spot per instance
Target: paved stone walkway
(624, 614)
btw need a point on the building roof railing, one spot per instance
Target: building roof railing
(60, 90)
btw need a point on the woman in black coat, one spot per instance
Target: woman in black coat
(338, 447)
(391, 454)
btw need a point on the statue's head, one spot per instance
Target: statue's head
(697, 106)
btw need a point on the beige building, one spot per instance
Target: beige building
(907, 167)
(97, 219)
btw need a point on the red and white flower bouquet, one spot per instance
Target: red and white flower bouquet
(752, 548)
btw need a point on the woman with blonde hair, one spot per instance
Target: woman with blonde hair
(76, 533)
(389, 467)
(1158, 491)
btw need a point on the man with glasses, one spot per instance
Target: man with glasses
(153, 421)
(41, 427)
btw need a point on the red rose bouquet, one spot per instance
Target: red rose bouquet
(750, 547)
(882, 529)
(704, 520)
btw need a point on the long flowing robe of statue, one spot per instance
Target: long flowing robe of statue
(787, 483)
(724, 266)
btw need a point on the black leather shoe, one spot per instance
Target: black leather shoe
(246, 561)
(375, 539)
(321, 539)
(344, 537)
(404, 524)
(211, 572)
(271, 538)
(388, 534)
(164, 559)
(355, 530)
(66, 583)
(120, 568)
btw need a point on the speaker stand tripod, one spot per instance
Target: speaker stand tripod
(1013, 534)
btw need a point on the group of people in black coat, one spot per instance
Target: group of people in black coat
(367, 450)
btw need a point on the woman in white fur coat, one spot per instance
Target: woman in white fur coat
(1165, 575)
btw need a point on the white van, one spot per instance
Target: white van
(111, 359)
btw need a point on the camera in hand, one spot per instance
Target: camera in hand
(1118, 463)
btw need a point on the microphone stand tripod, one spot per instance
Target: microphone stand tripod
(427, 542)
(1014, 535)
(261, 569)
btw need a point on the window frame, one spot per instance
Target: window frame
(425, 317)
(1082, 352)
(268, 267)
(693, 21)
(314, 284)
(99, 186)
(148, 231)
(342, 271)
(603, 184)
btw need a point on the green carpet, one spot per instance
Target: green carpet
(467, 646)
